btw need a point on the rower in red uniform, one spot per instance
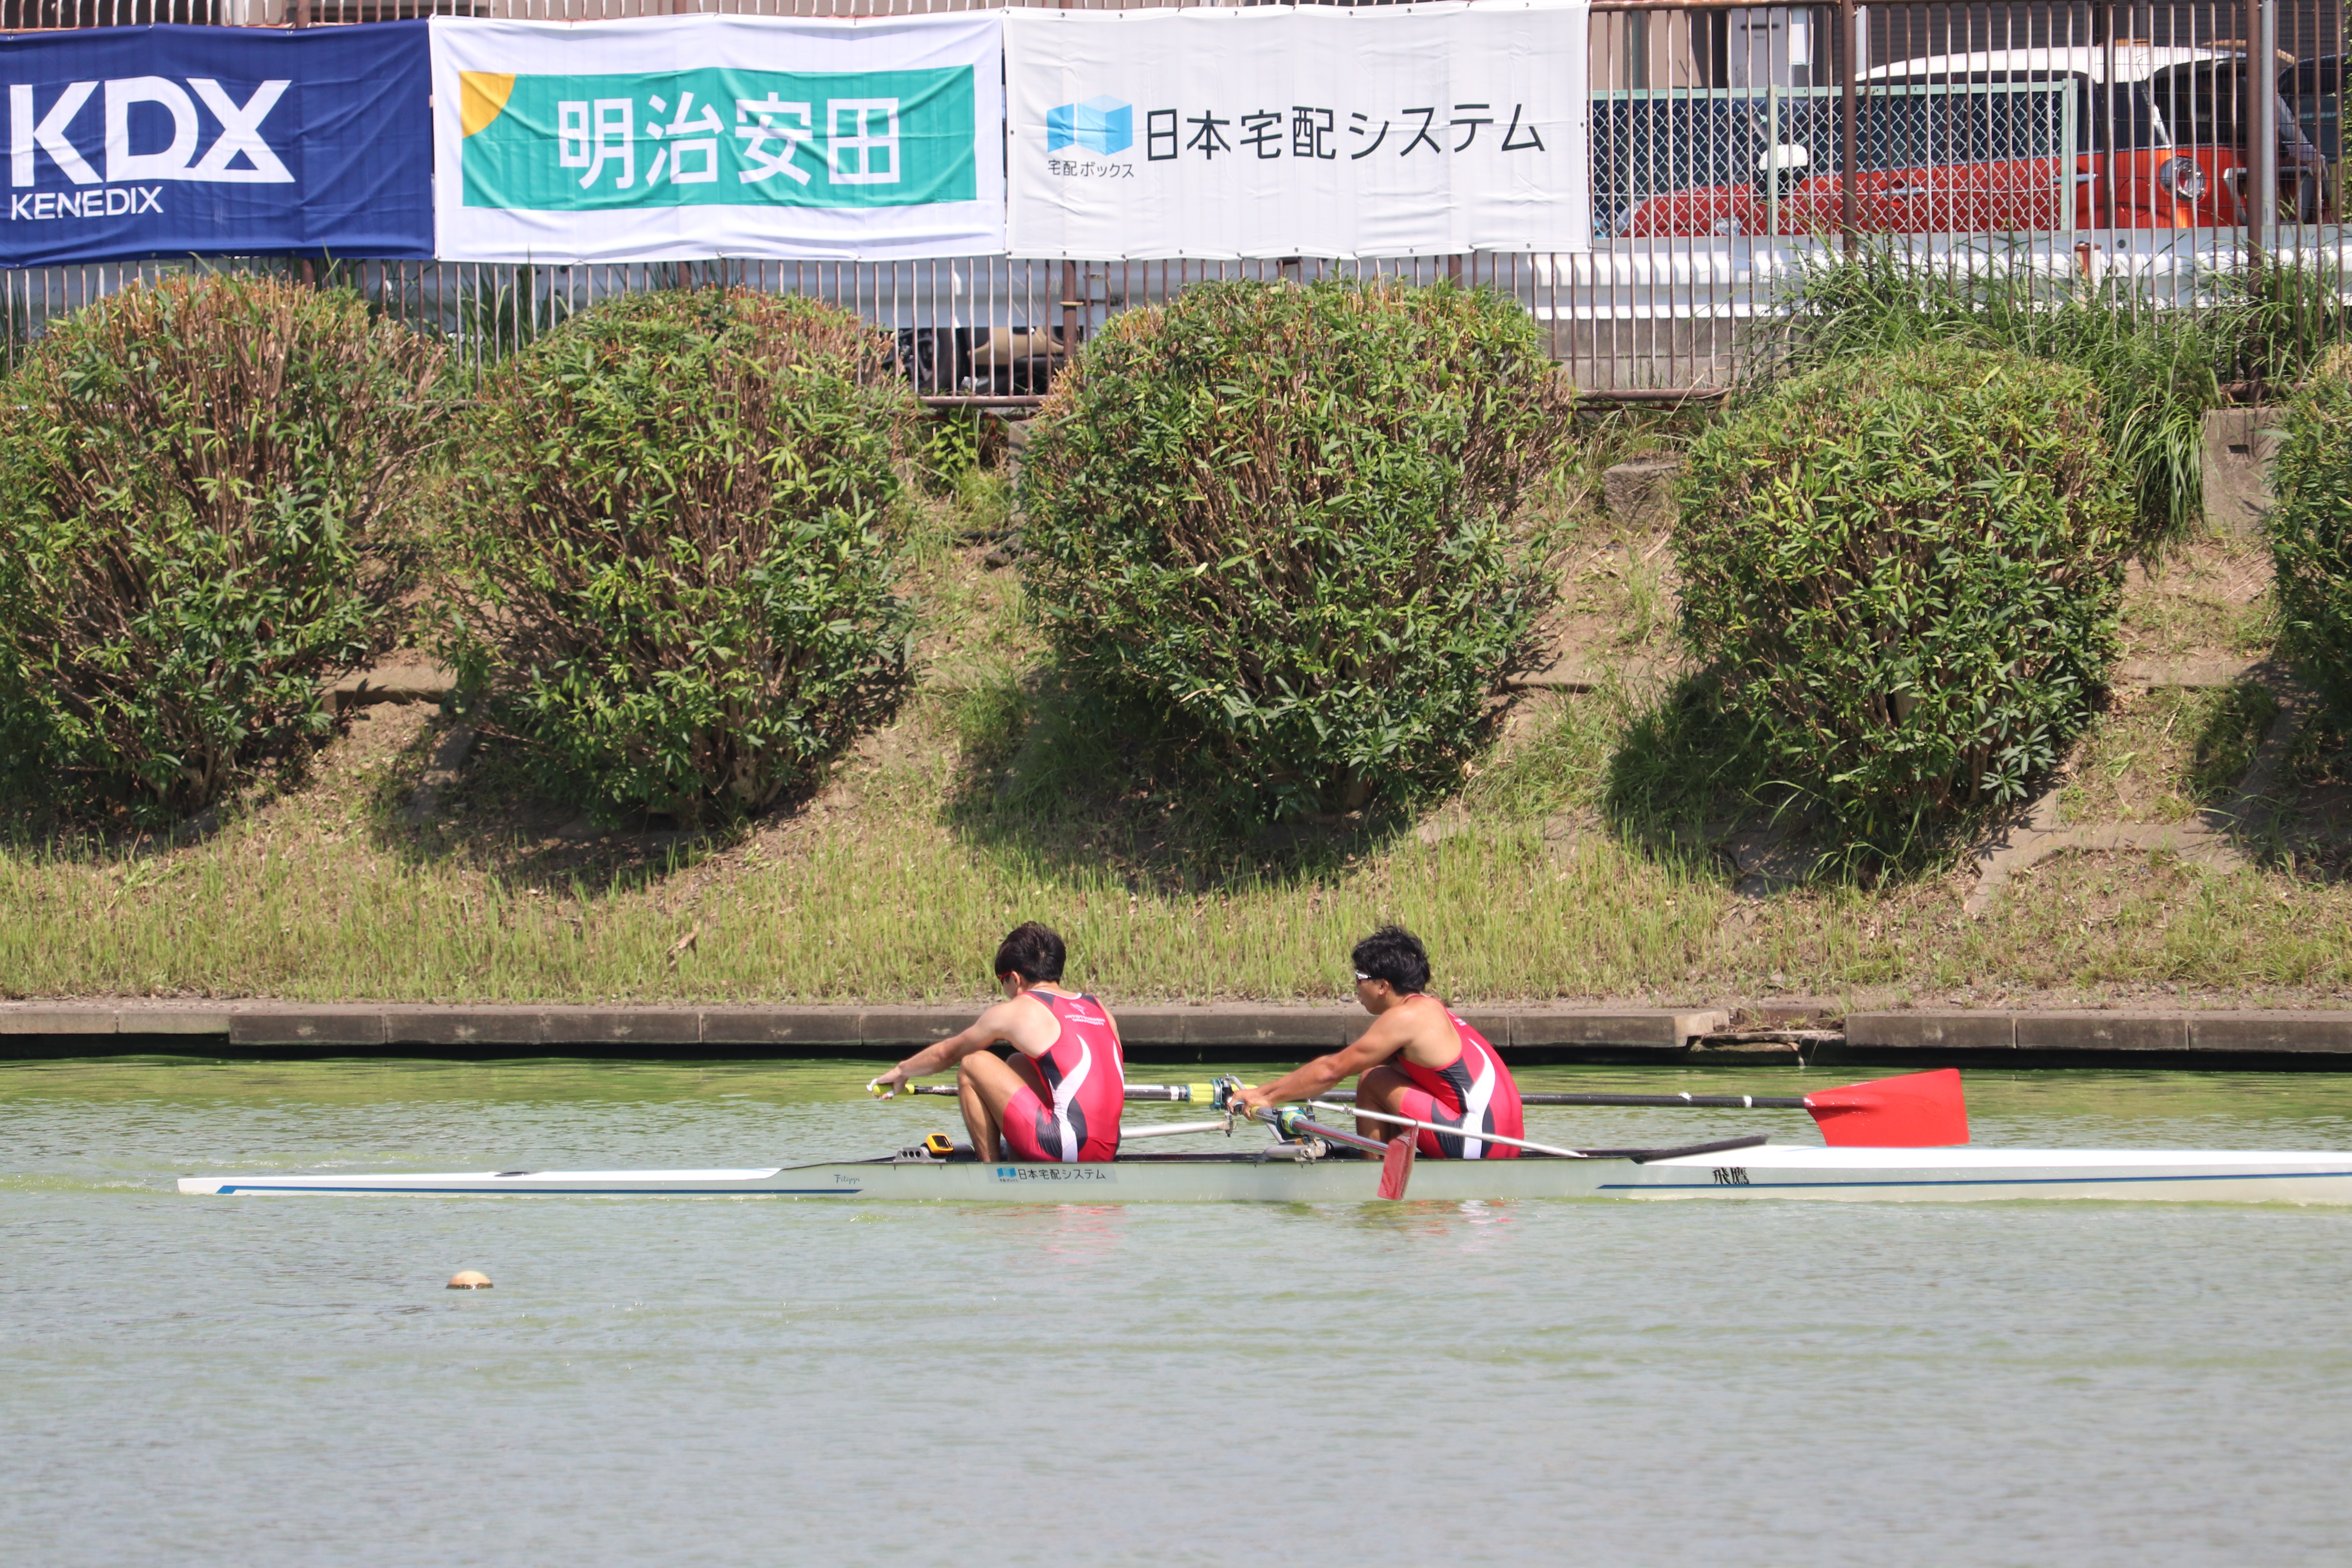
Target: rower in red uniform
(1057, 1099)
(1417, 1060)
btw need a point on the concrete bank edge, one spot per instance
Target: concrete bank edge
(1208, 1033)
(293, 1029)
(2186, 1034)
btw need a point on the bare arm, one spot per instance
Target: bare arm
(1001, 1022)
(1388, 1035)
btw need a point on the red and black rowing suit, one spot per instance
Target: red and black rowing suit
(1087, 1082)
(1473, 1093)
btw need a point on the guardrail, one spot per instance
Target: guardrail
(2127, 147)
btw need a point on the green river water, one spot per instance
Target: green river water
(263, 1382)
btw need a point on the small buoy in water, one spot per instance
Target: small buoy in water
(469, 1280)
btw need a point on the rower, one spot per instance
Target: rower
(1417, 1060)
(1056, 1099)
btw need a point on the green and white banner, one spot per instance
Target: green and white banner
(688, 138)
(1315, 130)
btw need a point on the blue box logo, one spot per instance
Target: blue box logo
(1102, 124)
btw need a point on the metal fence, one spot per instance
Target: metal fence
(2165, 153)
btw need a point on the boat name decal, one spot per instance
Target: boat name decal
(1053, 1174)
(1731, 1175)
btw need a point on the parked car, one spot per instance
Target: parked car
(2161, 147)
(984, 361)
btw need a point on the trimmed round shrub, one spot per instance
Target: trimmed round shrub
(198, 484)
(673, 582)
(2311, 529)
(1284, 523)
(1907, 572)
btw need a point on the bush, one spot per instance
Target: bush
(2156, 371)
(1907, 570)
(2311, 529)
(672, 584)
(1281, 521)
(196, 483)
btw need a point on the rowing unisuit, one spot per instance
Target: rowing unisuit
(1475, 1093)
(1084, 1074)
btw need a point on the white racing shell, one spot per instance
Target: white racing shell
(1765, 1171)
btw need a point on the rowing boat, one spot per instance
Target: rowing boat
(1745, 1169)
(1891, 1140)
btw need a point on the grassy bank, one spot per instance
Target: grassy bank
(1583, 859)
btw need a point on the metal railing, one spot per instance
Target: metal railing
(2142, 148)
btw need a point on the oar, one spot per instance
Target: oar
(1396, 1155)
(1916, 1110)
(1129, 1134)
(1206, 1093)
(1461, 1131)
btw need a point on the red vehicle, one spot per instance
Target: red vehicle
(2161, 146)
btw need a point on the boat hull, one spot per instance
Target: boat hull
(1977, 1175)
(1768, 1171)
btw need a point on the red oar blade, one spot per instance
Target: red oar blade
(1918, 1110)
(1396, 1167)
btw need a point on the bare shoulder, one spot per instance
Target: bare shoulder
(1026, 1022)
(1426, 1028)
(1395, 1029)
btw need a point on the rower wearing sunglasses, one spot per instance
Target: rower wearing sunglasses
(1417, 1060)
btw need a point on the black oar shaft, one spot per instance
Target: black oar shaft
(1701, 1102)
(1185, 1092)
(1707, 1101)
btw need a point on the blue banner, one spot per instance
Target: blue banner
(170, 141)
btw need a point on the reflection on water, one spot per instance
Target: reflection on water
(254, 1382)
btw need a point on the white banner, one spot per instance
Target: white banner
(1273, 131)
(687, 138)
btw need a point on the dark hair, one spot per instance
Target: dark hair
(1394, 954)
(1031, 951)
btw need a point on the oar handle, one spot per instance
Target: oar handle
(1292, 1122)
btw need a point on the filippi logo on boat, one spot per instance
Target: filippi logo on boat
(116, 140)
(1102, 125)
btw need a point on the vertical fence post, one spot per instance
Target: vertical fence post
(2106, 135)
(1070, 297)
(1069, 316)
(2262, 127)
(1850, 68)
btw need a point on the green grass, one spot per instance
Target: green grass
(1575, 863)
(901, 909)
(2166, 755)
(890, 900)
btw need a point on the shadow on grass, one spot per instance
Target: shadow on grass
(40, 829)
(2226, 743)
(2310, 837)
(1682, 770)
(1690, 783)
(493, 817)
(1063, 779)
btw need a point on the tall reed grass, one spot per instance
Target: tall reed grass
(2158, 367)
